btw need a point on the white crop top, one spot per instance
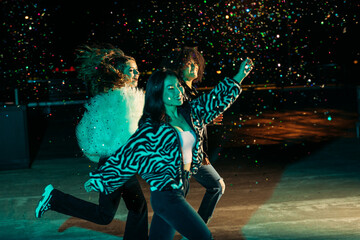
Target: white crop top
(187, 140)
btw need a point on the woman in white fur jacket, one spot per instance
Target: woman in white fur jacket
(111, 117)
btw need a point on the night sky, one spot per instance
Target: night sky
(293, 43)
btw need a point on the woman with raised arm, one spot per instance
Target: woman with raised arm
(189, 64)
(165, 151)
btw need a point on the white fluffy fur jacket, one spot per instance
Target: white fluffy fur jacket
(108, 122)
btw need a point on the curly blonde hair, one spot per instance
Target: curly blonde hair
(102, 67)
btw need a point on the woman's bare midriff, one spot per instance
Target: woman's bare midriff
(187, 167)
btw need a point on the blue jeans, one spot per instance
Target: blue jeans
(209, 178)
(173, 213)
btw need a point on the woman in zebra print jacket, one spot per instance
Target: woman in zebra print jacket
(157, 150)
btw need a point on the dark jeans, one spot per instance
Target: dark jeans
(173, 213)
(104, 212)
(208, 177)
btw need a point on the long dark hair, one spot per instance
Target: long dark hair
(177, 59)
(154, 107)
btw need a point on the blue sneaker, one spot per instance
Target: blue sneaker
(44, 204)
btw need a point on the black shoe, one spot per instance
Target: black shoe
(44, 204)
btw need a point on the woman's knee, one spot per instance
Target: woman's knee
(222, 185)
(217, 187)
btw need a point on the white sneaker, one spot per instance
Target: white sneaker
(44, 204)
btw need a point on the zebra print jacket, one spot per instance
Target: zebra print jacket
(155, 153)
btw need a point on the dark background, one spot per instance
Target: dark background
(293, 43)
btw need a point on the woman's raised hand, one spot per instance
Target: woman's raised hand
(245, 68)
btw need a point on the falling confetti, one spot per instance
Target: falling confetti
(293, 44)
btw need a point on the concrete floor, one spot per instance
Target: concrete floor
(289, 175)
